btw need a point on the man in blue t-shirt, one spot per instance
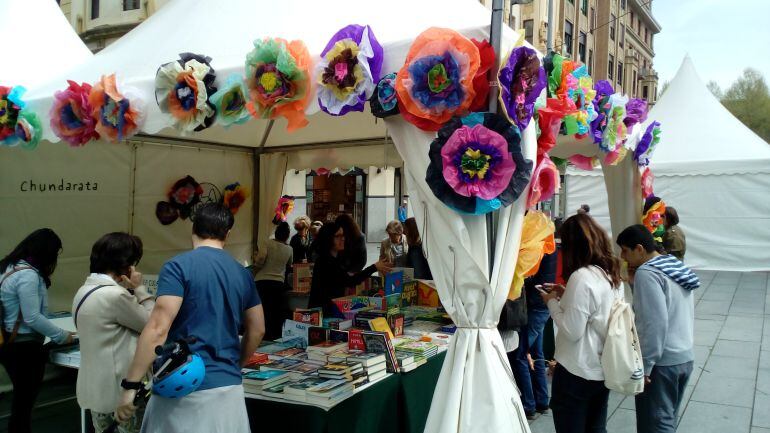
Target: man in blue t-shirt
(206, 294)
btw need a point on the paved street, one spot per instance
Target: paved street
(729, 390)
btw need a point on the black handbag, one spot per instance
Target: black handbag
(514, 314)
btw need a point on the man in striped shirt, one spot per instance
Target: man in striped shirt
(665, 312)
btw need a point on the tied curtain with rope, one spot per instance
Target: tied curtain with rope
(476, 387)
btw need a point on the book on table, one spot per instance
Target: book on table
(380, 324)
(300, 387)
(330, 388)
(404, 359)
(339, 356)
(366, 359)
(256, 381)
(374, 377)
(346, 370)
(286, 353)
(272, 349)
(423, 348)
(327, 347)
(379, 342)
(413, 366)
(375, 368)
(284, 364)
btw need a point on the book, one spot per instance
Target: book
(393, 282)
(413, 366)
(272, 348)
(338, 336)
(356, 340)
(380, 324)
(300, 387)
(292, 329)
(409, 294)
(374, 377)
(286, 353)
(338, 324)
(256, 359)
(284, 364)
(376, 368)
(302, 277)
(317, 335)
(379, 342)
(328, 387)
(258, 380)
(365, 358)
(313, 316)
(329, 402)
(396, 322)
(275, 391)
(327, 347)
(404, 359)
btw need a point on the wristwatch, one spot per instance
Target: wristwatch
(136, 386)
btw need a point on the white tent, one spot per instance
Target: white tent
(476, 392)
(712, 169)
(44, 43)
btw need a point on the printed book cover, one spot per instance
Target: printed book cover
(379, 342)
(356, 340)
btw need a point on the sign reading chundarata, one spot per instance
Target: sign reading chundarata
(62, 184)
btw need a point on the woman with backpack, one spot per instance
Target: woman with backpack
(24, 283)
(581, 311)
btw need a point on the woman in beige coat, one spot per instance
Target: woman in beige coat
(110, 311)
(394, 248)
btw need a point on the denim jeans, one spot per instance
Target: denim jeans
(578, 405)
(532, 384)
(657, 406)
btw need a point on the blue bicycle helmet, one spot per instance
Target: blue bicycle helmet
(182, 380)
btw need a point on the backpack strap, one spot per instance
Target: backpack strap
(19, 317)
(83, 299)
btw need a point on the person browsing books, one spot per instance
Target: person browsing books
(207, 295)
(330, 278)
(271, 281)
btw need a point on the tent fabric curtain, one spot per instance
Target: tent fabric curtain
(272, 169)
(476, 391)
(624, 194)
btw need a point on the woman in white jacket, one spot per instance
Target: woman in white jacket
(110, 311)
(581, 313)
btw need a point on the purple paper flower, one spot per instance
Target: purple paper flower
(636, 112)
(647, 144)
(522, 79)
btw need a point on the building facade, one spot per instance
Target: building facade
(613, 38)
(102, 22)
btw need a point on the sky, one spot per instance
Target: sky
(723, 37)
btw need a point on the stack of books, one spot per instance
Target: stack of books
(255, 381)
(374, 364)
(407, 362)
(320, 352)
(419, 349)
(353, 372)
(329, 393)
(297, 390)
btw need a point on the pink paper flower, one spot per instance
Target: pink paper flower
(647, 179)
(545, 181)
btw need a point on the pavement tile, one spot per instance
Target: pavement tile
(542, 425)
(714, 388)
(739, 349)
(712, 307)
(763, 381)
(718, 295)
(761, 416)
(614, 401)
(742, 328)
(705, 338)
(760, 430)
(764, 359)
(731, 367)
(709, 325)
(622, 421)
(715, 418)
(714, 317)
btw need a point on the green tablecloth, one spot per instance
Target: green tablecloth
(399, 403)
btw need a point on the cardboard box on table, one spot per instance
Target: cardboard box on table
(302, 277)
(427, 295)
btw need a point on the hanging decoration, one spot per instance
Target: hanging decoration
(28, 130)
(549, 118)
(183, 88)
(636, 112)
(481, 79)
(384, 102)
(583, 162)
(647, 144)
(118, 115)
(652, 217)
(537, 239)
(234, 197)
(436, 81)
(230, 102)
(283, 209)
(71, 115)
(349, 70)
(615, 131)
(522, 79)
(545, 181)
(278, 76)
(10, 106)
(647, 180)
(183, 196)
(476, 164)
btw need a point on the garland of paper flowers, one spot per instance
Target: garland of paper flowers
(278, 79)
(118, 115)
(284, 207)
(17, 125)
(186, 195)
(230, 102)
(183, 88)
(476, 164)
(522, 79)
(71, 115)
(349, 70)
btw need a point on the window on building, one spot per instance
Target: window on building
(593, 19)
(620, 73)
(582, 47)
(623, 4)
(590, 62)
(584, 7)
(622, 34)
(639, 26)
(634, 83)
(528, 30)
(94, 9)
(611, 67)
(129, 5)
(567, 37)
(646, 35)
(612, 26)
(644, 92)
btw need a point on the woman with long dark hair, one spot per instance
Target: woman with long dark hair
(26, 277)
(353, 257)
(330, 278)
(581, 312)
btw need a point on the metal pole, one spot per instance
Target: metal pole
(549, 42)
(495, 39)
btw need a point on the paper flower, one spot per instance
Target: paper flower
(72, 115)
(476, 165)
(349, 70)
(284, 207)
(583, 162)
(278, 79)
(481, 79)
(183, 88)
(602, 107)
(653, 211)
(537, 239)
(647, 144)
(549, 119)
(235, 196)
(615, 132)
(184, 195)
(166, 213)
(546, 181)
(28, 130)
(436, 81)
(230, 102)
(384, 102)
(10, 106)
(636, 112)
(647, 180)
(522, 79)
(117, 115)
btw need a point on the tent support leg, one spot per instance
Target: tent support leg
(495, 39)
(256, 184)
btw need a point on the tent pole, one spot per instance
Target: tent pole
(256, 184)
(495, 39)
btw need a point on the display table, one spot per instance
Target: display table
(415, 390)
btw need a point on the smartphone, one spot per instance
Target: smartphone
(543, 289)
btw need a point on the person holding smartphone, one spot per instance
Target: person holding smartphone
(110, 311)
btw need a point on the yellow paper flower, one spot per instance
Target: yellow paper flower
(536, 240)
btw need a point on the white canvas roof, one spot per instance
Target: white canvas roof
(44, 43)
